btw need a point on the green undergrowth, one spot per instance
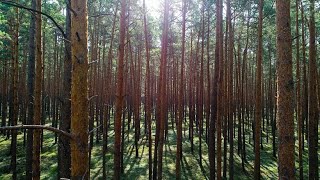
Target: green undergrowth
(137, 167)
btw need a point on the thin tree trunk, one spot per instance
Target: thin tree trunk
(64, 162)
(181, 94)
(258, 106)
(37, 96)
(208, 100)
(305, 102)
(148, 89)
(313, 99)
(191, 89)
(162, 96)
(298, 92)
(215, 123)
(108, 93)
(119, 93)
(14, 93)
(230, 90)
(219, 115)
(5, 99)
(31, 73)
(201, 87)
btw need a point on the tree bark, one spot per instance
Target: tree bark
(37, 95)
(79, 90)
(64, 161)
(108, 100)
(219, 56)
(215, 123)
(148, 89)
(230, 90)
(14, 93)
(258, 107)
(119, 93)
(313, 99)
(201, 87)
(30, 80)
(181, 93)
(285, 91)
(305, 100)
(5, 98)
(298, 92)
(162, 93)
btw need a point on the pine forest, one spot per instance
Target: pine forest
(159, 89)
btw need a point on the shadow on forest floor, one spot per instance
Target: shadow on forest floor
(137, 167)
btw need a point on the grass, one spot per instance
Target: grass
(137, 168)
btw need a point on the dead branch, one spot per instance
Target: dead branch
(42, 127)
(10, 3)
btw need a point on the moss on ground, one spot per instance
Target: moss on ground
(137, 168)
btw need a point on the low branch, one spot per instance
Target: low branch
(69, 7)
(295, 37)
(90, 132)
(42, 127)
(101, 14)
(91, 98)
(93, 62)
(10, 3)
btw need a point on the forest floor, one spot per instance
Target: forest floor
(137, 168)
